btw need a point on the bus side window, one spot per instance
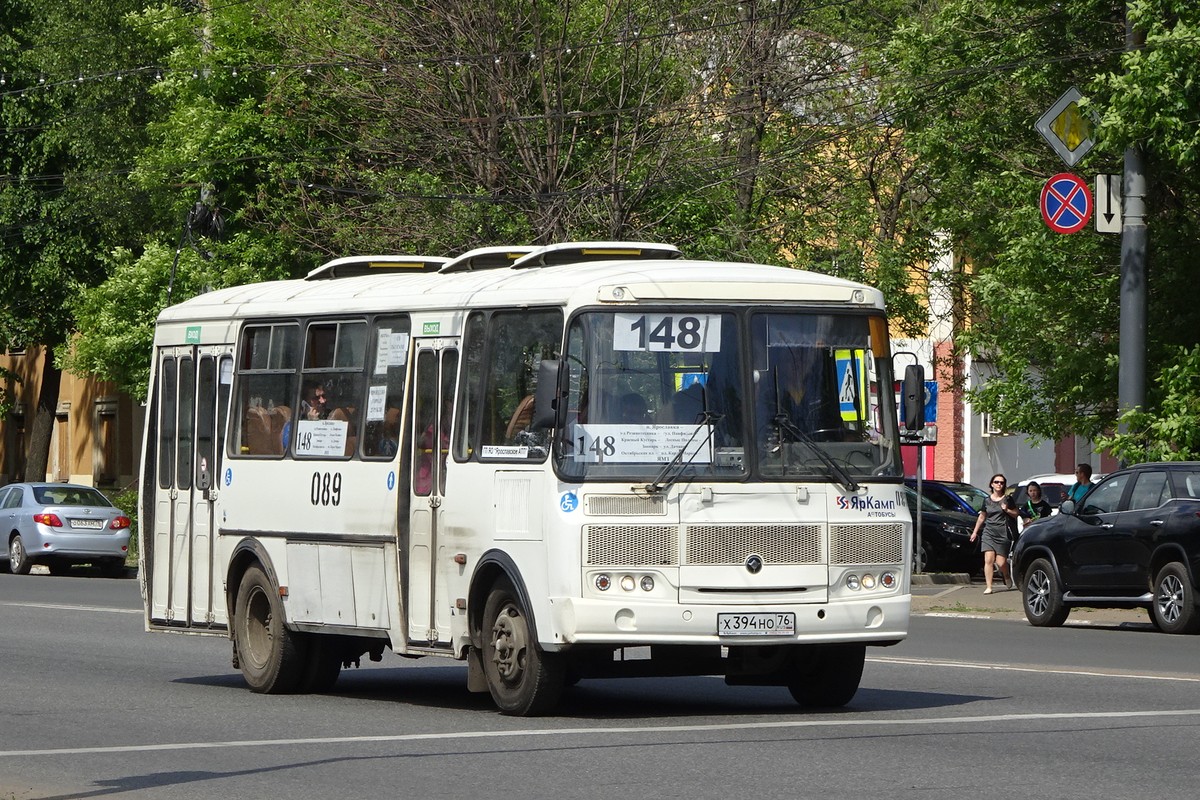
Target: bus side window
(470, 400)
(334, 361)
(388, 365)
(519, 341)
(266, 378)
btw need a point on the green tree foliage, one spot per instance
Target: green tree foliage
(1171, 431)
(222, 161)
(69, 132)
(971, 79)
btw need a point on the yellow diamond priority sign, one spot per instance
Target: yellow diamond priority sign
(1066, 128)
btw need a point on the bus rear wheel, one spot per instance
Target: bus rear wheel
(827, 676)
(523, 680)
(270, 656)
(323, 662)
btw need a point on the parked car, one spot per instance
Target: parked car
(945, 536)
(61, 524)
(952, 495)
(1133, 541)
(1054, 488)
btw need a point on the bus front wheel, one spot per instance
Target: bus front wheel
(828, 675)
(523, 680)
(270, 656)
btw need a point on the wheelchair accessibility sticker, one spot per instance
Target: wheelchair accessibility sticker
(391, 481)
(228, 475)
(569, 502)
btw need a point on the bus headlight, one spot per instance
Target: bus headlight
(852, 582)
(647, 583)
(868, 581)
(627, 583)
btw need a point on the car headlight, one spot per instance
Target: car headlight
(956, 530)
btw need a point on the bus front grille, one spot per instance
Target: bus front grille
(625, 505)
(630, 545)
(866, 544)
(775, 544)
(716, 545)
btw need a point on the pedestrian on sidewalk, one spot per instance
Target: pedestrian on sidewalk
(1035, 506)
(998, 523)
(1083, 482)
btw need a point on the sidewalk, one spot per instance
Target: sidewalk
(955, 594)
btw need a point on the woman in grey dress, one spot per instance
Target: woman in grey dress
(998, 523)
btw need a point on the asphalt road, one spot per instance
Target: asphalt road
(95, 708)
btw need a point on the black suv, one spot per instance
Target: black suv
(1133, 541)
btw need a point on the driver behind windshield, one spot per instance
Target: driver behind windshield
(796, 391)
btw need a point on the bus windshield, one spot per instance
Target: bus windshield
(777, 395)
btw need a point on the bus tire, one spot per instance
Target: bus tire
(827, 676)
(271, 656)
(523, 680)
(323, 662)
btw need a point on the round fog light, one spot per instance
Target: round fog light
(852, 582)
(603, 582)
(627, 583)
(647, 583)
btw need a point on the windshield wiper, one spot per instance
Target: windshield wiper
(782, 423)
(706, 424)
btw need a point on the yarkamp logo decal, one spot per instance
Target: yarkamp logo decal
(866, 503)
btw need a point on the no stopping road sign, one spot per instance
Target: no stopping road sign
(1066, 203)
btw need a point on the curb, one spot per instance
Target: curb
(940, 578)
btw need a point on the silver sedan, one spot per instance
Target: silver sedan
(61, 524)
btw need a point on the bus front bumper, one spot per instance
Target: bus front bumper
(575, 621)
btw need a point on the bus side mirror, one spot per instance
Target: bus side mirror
(545, 397)
(912, 397)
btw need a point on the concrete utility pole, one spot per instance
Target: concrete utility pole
(1131, 391)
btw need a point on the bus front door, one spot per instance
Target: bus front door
(192, 400)
(433, 401)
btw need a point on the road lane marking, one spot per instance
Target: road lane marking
(929, 662)
(62, 607)
(841, 722)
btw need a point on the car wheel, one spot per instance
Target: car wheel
(523, 680)
(928, 561)
(1042, 596)
(828, 676)
(270, 656)
(18, 560)
(1175, 601)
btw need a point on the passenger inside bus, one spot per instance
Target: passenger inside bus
(313, 403)
(347, 415)
(632, 409)
(797, 390)
(687, 406)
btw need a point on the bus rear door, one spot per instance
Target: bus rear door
(192, 387)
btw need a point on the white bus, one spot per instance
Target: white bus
(583, 460)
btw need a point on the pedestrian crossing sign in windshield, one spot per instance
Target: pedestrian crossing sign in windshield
(852, 383)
